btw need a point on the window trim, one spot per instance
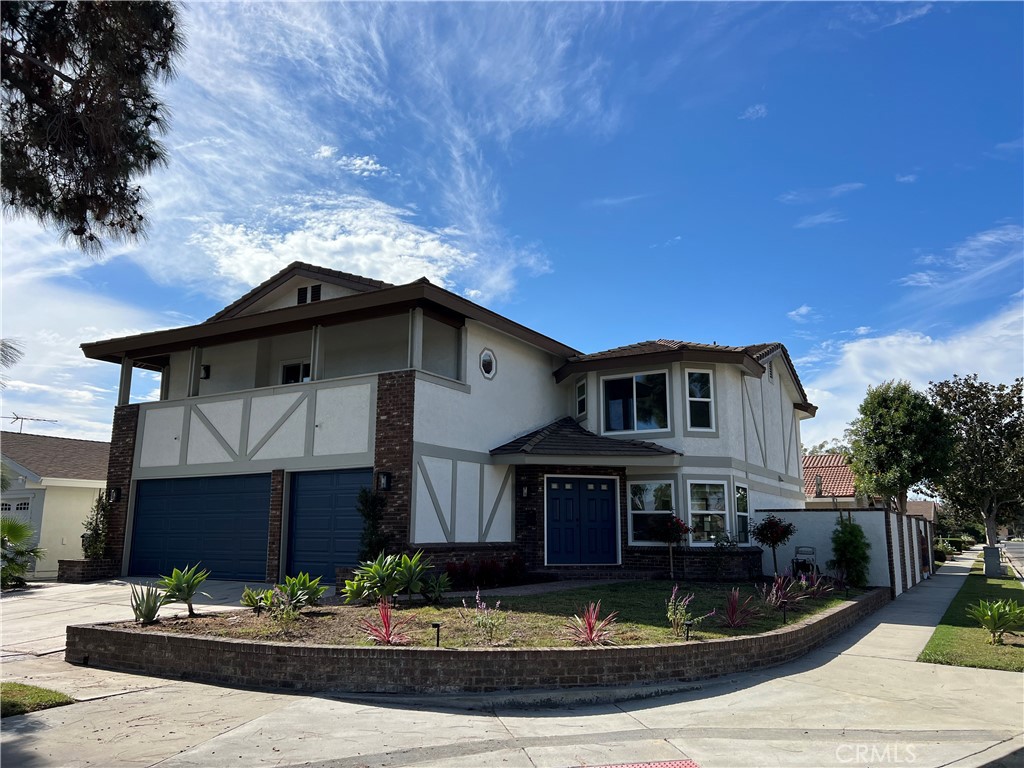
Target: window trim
(712, 401)
(736, 511)
(667, 429)
(299, 361)
(669, 481)
(690, 511)
(581, 381)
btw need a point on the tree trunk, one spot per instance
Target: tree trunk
(991, 529)
(901, 501)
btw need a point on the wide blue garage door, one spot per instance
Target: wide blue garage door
(221, 522)
(324, 525)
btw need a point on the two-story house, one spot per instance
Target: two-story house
(487, 438)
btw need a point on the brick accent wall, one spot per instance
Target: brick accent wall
(81, 571)
(274, 528)
(119, 475)
(396, 394)
(440, 670)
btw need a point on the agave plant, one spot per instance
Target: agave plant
(998, 617)
(434, 587)
(257, 599)
(374, 579)
(183, 586)
(146, 602)
(590, 629)
(389, 629)
(412, 573)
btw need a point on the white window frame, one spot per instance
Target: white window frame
(736, 508)
(709, 400)
(724, 513)
(629, 506)
(581, 382)
(632, 377)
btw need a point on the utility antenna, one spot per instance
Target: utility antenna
(22, 419)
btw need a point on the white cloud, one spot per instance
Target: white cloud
(754, 112)
(862, 330)
(902, 17)
(826, 217)
(919, 280)
(842, 189)
(977, 263)
(364, 166)
(802, 196)
(614, 202)
(908, 178)
(802, 314)
(993, 348)
(1011, 146)
(325, 152)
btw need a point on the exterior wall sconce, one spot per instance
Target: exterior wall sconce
(383, 481)
(204, 371)
(113, 495)
(525, 492)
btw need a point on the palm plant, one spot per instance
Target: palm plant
(15, 538)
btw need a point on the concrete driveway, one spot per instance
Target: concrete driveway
(861, 700)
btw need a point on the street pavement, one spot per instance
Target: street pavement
(860, 700)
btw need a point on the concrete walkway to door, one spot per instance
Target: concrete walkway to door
(859, 700)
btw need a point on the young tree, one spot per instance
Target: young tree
(773, 532)
(80, 115)
(899, 440)
(986, 477)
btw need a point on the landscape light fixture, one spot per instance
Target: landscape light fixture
(688, 624)
(784, 604)
(437, 628)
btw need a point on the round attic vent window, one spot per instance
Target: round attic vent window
(488, 364)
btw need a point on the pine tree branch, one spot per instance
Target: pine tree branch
(9, 50)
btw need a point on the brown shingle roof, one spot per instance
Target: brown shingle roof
(836, 476)
(57, 457)
(567, 438)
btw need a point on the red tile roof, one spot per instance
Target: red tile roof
(57, 457)
(836, 476)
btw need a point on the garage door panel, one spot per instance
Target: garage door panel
(325, 526)
(221, 522)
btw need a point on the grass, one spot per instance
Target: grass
(959, 641)
(19, 699)
(522, 622)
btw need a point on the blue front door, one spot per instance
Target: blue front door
(581, 513)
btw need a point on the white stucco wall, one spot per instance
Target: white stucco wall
(521, 397)
(232, 367)
(287, 295)
(369, 346)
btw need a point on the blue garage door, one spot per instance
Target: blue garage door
(324, 525)
(221, 522)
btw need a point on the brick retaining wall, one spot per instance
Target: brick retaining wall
(419, 670)
(81, 571)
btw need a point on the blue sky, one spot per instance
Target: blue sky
(844, 178)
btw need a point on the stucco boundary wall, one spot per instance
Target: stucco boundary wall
(266, 665)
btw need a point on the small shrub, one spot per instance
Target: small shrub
(737, 614)
(514, 570)
(998, 617)
(146, 602)
(938, 555)
(590, 628)
(460, 573)
(677, 609)
(94, 541)
(388, 629)
(488, 620)
(258, 599)
(783, 587)
(411, 573)
(773, 532)
(371, 506)
(850, 551)
(813, 585)
(300, 591)
(488, 573)
(15, 553)
(183, 586)
(435, 586)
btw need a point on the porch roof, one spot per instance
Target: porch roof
(565, 437)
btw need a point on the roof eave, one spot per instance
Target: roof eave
(732, 357)
(589, 460)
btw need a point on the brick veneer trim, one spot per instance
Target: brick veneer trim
(81, 571)
(119, 475)
(417, 670)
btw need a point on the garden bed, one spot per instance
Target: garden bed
(312, 666)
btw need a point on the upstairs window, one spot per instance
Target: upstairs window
(309, 293)
(636, 403)
(294, 373)
(581, 397)
(700, 411)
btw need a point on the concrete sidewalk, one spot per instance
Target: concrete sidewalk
(860, 700)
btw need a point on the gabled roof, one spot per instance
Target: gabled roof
(150, 349)
(836, 476)
(567, 438)
(57, 457)
(753, 357)
(300, 269)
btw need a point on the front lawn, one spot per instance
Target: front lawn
(959, 641)
(521, 622)
(18, 699)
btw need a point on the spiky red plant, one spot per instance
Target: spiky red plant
(590, 628)
(738, 614)
(389, 630)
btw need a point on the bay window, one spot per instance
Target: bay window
(742, 515)
(708, 514)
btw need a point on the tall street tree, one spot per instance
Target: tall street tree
(899, 440)
(80, 112)
(986, 478)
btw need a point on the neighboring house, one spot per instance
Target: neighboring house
(488, 439)
(829, 484)
(929, 510)
(54, 482)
